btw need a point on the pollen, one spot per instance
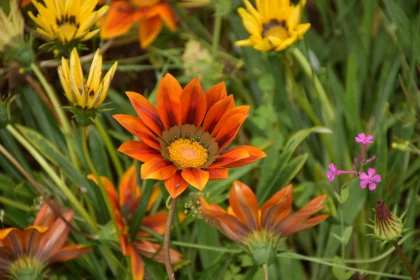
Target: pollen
(187, 153)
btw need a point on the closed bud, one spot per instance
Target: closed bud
(387, 226)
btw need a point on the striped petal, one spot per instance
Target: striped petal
(69, 253)
(230, 156)
(228, 132)
(139, 150)
(216, 112)
(137, 265)
(277, 208)
(158, 169)
(254, 155)
(215, 94)
(218, 173)
(176, 185)
(118, 21)
(244, 204)
(155, 222)
(197, 178)
(155, 252)
(193, 103)
(169, 101)
(149, 30)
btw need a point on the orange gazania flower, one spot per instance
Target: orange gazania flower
(150, 14)
(29, 251)
(260, 230)
(182, 141)
(124, 205)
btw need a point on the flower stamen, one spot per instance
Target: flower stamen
(187, 153)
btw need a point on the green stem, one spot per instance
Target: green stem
(205, 247)
(95, 173)
(216, 34)
(304, 63)
(405, 260)
(111, 150)
(265, 270)
(342, 231)
(57, 106)
(56, 179)
(15, 203)
(295, 256)
(167, 240)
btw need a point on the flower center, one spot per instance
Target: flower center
(26, 267)
(187, 153)
(275, 28)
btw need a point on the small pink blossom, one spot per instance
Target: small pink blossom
(362, 138)
(332, 172)
(370, 179)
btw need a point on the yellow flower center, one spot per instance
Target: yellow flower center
(187, 153)
(276, 29)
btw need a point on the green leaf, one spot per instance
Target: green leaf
(340, 273)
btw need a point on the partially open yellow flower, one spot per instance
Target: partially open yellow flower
(81, 93)
(274, 25)
(11, 26)
(67, 20)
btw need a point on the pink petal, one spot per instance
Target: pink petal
(331, 175)
(332, 166)
(377, 178)
(369, 138)
(363, 184)
(363, 176)
(371, 172)
(372, 186)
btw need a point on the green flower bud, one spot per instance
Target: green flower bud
(262, 247)
(387, 226)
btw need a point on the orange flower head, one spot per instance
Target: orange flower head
(182, 141)
(124, 204)
(28, 252)
(149, 14)
(260, 230)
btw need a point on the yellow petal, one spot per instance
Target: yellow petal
(250, 23)
(244, 43)
(95, 73)
(302, 29)
(253, 12)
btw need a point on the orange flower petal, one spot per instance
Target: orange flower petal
(216, 112)
(176, 184)
(197, 178)
(69, 253)
(32, 237)
(218, 173)
(230, 156)
(137, 265)
(277, 208)
(139, 150)
(149, 30)
(168, 101)
(307, 224)
(158, 169)
(147, 112)
(193, 103)
(129, 192)
(228, 115)
(244, 204)
(168, 16)
(150, 250)
(137, 127)
(153, 197)
(118, 21)
(25, 3)
(228, 132)
(109, 188)
(155, 222)
(45, 216)
(5, 232)
(215, 94)
(254, 155)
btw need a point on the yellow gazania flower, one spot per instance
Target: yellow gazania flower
(81, 93)
(67, 20)
(274, 25)
(11, 26)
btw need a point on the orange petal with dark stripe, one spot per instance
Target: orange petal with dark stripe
(244, 204)
(193, 103)
(228, 115)
(129, 191)
(45, 216)
(147, 112)
(254, 155)
(158, 169)
(197, 178)
(68, 253)
(155, 222)
(118, 21)
(149, 30)
(109, 188)
(169, 101)
(137, 265)
(307, 224)
(138, 150)
(138, 128)
(228, 132)
(176, 184)
(167, 15)
(277, 208)
(215, 94)
(230, 156)
(150, 250)
(216, 112)
(218, 173)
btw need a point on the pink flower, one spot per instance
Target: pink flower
(370, 179)
(362, 138)
(332, 172)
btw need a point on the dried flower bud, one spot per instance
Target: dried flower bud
(387, 226)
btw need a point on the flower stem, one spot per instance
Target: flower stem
(95, 173)
(342, 231)
(265, 270)
(216, 34)
(109, 147)
(56, 179)
(167, 240)
(405, 260)
(363, 153)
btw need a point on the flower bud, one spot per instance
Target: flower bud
(387, 226)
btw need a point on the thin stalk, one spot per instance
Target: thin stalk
(56, 179)
(14, 203)
(405, 260)
(58, 109)
(167, 240)
(111, 150)
(216, 34)
(96, 174)
(342, 231)
(265, 271)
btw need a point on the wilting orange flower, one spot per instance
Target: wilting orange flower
(261, 229)
(124, 205)
(150, 14)
(29, 251)
(182, 141)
